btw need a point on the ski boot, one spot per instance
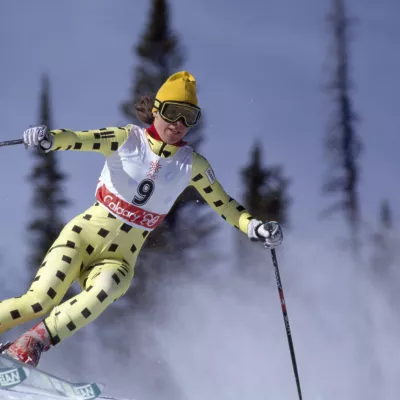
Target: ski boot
(29, 346)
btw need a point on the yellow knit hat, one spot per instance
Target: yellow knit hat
(180, 86)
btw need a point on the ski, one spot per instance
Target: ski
(12, 376)
(23, 378)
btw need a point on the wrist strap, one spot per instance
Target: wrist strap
(256, 232)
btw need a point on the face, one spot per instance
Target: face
(170, 132)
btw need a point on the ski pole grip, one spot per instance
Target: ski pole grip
(271, 226)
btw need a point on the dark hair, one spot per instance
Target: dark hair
(143, 109)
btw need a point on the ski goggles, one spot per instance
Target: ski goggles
(172, 111)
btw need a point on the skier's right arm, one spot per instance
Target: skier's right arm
(105, 140)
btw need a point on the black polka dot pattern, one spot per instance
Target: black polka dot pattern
(97, 249)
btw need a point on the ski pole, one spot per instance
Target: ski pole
(286, 319)
(11, 142)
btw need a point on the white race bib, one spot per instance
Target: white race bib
(140, 187)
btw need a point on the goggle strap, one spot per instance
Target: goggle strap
(157, 104)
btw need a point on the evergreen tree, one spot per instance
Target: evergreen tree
(343, 144)
(344, 147)
(265, 189)
(48, 193)
(265, 197)
(161, 55)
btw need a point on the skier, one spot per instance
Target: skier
(144, 172)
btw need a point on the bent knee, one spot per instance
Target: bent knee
(113, 282)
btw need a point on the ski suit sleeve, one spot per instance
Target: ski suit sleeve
(205, 182)
(104, 140)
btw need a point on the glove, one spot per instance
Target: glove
(269, 232)
(39, 137)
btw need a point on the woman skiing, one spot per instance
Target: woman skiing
(144, 172)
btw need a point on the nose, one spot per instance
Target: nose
(180, 123)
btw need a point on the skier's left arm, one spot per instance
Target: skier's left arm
(204, 180)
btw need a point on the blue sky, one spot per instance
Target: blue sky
(260, 67)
